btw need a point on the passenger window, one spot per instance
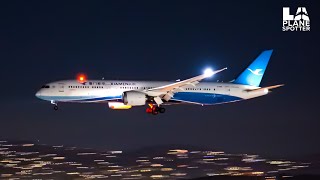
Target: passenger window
(45, 86)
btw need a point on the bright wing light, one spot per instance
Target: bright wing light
(208, 72)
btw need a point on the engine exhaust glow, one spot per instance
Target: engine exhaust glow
(118, 105)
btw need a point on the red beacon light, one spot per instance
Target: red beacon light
(81, 78)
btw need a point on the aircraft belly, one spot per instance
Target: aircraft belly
(204, 98)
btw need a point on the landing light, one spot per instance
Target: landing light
(208, 72)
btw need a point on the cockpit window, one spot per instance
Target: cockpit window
(45, 86)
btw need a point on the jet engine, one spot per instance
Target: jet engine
(134, 98)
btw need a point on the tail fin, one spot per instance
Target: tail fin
(253, 74)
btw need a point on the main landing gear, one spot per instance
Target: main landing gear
(55, 107)
(155, 109)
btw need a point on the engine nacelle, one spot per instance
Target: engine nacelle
(134, 98)
(118, 105)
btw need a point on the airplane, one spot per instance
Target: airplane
(122, 94)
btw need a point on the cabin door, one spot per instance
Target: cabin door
(61, 87)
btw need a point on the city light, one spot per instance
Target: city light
(29, 160)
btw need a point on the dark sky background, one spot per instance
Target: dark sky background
(43, 41)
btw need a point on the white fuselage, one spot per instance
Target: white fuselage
(92, 91)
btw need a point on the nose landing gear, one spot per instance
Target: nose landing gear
(55, 107)
(155, 109)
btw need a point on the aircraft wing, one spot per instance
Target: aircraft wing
(166, 92)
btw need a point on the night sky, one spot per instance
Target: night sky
(44, 41)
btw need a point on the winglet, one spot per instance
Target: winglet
(220, 70)
(208, 72)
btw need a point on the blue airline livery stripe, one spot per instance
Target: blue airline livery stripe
(204, 98)
(200, 98)
(79, 98)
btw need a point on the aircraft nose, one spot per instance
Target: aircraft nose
(38, 94)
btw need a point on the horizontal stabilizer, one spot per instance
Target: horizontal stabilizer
(265, 88)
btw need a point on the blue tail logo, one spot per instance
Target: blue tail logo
(253, 74)
(256, 72)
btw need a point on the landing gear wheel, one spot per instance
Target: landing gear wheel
(55, 107)
(162, 110)
(155, 111)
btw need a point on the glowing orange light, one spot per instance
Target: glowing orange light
(118, 105)
(81, 78)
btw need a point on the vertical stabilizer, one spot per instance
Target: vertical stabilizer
(253, 74)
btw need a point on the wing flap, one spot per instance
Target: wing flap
(192, 81)
(166, 92)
